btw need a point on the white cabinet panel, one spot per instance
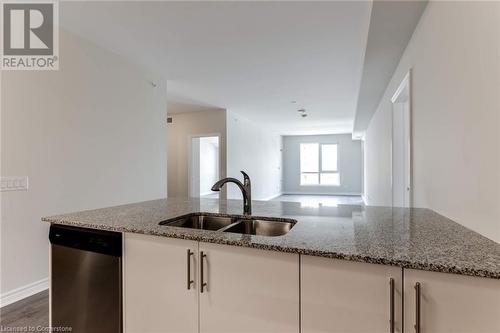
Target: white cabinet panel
(343, 296)
(156, 298)
(249, 290)
(451, 303)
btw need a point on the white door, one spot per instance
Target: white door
(401, 145)
(339, 296)
(248, 290)
(156, 294)
(451, 303)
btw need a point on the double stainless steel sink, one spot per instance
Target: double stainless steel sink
(235, 224)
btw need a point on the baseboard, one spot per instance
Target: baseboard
(365, 200)
(271, 197)
(23, 292)
(319, 193)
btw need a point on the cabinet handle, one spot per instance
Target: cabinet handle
(202, 283)
(391, 288)
(189, 281)
(417, 307)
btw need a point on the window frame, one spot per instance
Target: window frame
(320, 165)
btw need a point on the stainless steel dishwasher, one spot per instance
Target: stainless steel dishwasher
(86, 279)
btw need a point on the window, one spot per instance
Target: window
(319, 164)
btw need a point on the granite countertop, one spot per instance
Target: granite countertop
(409, 238)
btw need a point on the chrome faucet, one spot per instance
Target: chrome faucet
(245, 187)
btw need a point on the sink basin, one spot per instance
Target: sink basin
(234, 224)
(200, 221)
(261, 227)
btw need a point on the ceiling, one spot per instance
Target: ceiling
(391, 27)
(175, 106)
(262, 60)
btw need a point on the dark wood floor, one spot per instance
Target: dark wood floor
(29, 312)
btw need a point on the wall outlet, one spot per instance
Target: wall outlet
(14, 183)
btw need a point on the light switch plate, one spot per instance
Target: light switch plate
(14, 183)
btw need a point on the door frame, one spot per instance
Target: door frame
(404, 92)
(189, 156)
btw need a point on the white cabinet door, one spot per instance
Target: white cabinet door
(343, 296)
(451, 303)
(248, 290)
(156, 296)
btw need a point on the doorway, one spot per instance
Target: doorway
(204, 166)
(401, 145)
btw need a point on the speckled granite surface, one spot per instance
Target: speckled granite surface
(409, 238)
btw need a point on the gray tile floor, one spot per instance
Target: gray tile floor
(321, 200)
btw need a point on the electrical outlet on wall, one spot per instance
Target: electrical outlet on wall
(14, 183)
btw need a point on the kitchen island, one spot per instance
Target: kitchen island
(333, 260)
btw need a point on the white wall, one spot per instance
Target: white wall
(349, 164)
(89, 135)
(194, 167)
(184, 126)
(253, 148)
(209, 163)
(455, 60)
(377, 160)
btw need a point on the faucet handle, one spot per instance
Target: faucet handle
(245, 177)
